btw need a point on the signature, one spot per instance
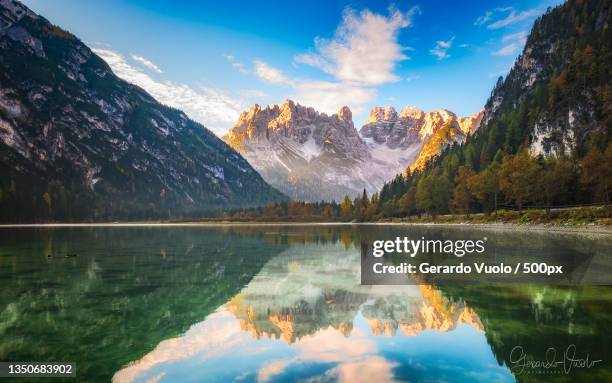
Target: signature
(568, 361)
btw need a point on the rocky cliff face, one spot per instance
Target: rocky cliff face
(558, 88)
(311, 156)
(411, 137)
(77, 142)
(441, 139)
(306, 154)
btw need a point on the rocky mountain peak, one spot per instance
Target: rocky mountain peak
(345, 114)
(287, 112)
(312, 156)
(411, 112)
(13, 11)
(413, 126)
(288, 104)
(469, 125)
(290, 119)
(447, 114)
(380, 113)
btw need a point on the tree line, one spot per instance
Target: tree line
(510, 181)
(516, 181)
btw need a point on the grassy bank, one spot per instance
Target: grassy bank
(577, 217)
(600, 216)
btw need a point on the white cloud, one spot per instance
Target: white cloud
(364, 48)
(514, 42)
(518, 36)
(312, 60)
(513, 17)
(484, 18)
(271, 74)
(413, 77)
(98, 43)
(507, 50)
(325, 96)
(354, 358)
(370, 369)
(329, 97)
(445, 44)
(273, 368)
(509, 14)
(362, 54)
(238, 65)
(218, 335)
(440, 50)
(147, 63)
(211, 107)
(439, 53)
(252, 93)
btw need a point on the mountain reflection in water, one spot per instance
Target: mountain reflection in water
(284, 303)
(305, 315)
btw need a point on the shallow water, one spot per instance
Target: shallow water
(284, 303)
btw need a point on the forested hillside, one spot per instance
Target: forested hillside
(79, 143)
(545, 138)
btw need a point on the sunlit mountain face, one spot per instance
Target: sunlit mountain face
(311, 156)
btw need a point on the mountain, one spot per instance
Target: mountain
(413, 136)
(306, 154)
(312, 156)
(556, 96)
(77, 142)
(547, 125)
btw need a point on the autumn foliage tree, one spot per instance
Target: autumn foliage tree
(407, 202)
(485, 187)
(596, 175)
(347, 207)
(517, 178)
(433, 193)
(462, 197)
(554, 179)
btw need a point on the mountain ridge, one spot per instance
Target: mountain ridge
(304, 153)
(313, 156)
(79, 143)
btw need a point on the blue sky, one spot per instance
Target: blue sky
(215, 59)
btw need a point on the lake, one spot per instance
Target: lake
(284, 303)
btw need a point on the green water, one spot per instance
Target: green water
(283, 303)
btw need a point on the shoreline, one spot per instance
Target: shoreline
(502, 226)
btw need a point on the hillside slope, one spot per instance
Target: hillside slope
(77, 142)
(545, 133)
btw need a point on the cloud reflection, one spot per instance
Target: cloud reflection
(304, 313)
